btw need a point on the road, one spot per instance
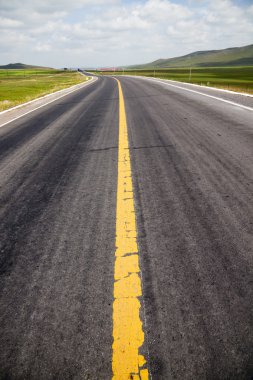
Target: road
(192, 175)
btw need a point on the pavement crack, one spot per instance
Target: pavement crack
(102, 149)
(151, 147)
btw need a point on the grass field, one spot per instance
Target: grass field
(19, 86)
(238, 79)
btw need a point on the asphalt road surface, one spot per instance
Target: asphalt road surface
(192, 173)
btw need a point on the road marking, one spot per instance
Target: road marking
(80, 86)
(199, 93)
(127, 361)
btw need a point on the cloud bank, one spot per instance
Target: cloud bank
(116, 32)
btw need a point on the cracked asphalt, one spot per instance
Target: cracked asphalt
(192, 173)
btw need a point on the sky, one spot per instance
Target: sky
(97, 33)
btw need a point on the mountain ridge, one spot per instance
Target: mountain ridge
(20, 66)
(235, 56)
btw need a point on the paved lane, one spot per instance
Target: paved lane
(193, 175)
(191, 167)
(58, 186)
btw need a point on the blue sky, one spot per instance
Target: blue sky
(99, 33)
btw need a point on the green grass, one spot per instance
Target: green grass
(20, 86)
(238, 79)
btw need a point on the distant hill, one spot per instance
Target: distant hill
(21, 66)
(238, 56)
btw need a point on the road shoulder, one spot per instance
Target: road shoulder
(14, 113)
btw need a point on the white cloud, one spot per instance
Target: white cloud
(92, 32)
(7, 23)
(43, 47)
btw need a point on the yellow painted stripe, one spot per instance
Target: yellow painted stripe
(127, 361)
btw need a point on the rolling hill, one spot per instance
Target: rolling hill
(238, 56)
(20, 66)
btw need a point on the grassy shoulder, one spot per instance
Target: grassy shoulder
(20, 86)
(239, 79)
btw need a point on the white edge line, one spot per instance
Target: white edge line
(80, 86)
(212, 88)
(42, 97)
(197, 92)
(193, 85)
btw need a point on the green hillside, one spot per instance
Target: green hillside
(20, 66)
(239, 56)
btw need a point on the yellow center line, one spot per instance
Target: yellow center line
(127, 361)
